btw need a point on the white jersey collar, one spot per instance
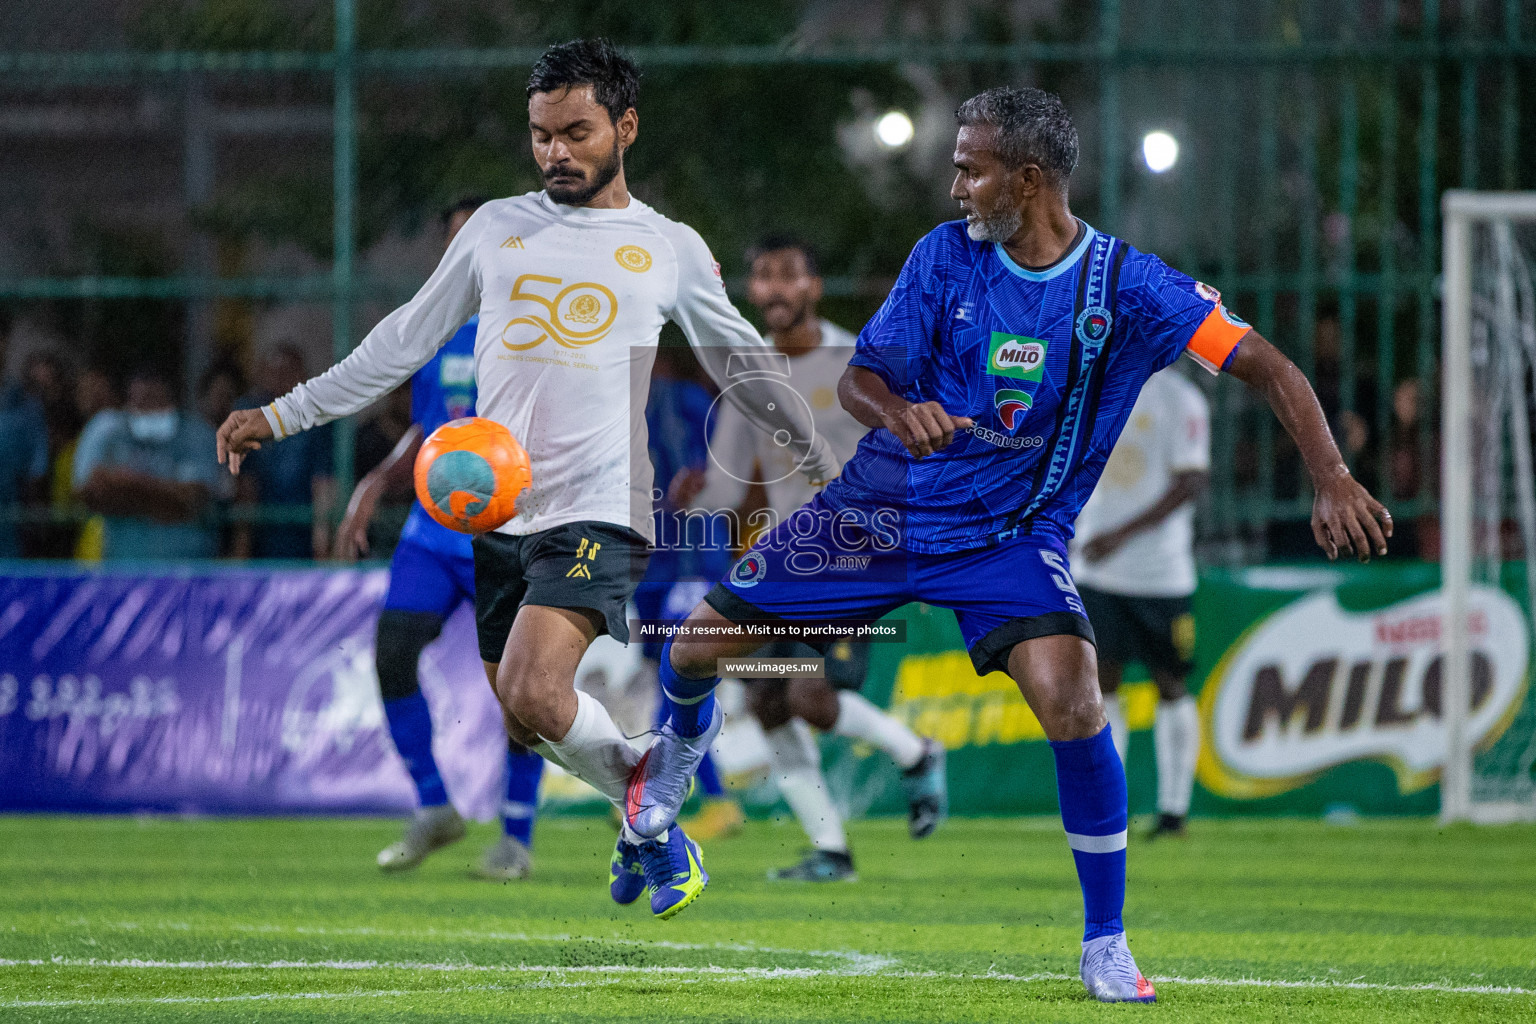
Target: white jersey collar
(590, 213)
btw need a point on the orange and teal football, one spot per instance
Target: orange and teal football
(469, 473)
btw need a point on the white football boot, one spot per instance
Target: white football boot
(1109, 971)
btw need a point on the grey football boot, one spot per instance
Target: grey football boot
(506, 861)
(431, 828)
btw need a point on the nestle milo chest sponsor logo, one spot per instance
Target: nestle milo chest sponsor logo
(1013, 355)
(1315, 685)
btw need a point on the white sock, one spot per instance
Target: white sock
(1119, 731)
(1177, 734)
(796, 762)
(595, 751)
(858, 719)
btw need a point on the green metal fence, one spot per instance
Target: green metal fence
(1315, 141)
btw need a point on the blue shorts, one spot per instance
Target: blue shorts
(822, 563)
(425, 579)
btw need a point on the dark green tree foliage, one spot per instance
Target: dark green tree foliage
(733, 151)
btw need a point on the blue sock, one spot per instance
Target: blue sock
(1090, 783)
(709, 779)
(690, 702)
(410, 725)
(524, 770)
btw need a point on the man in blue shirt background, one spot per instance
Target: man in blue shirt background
(150, 470)
(23, 446)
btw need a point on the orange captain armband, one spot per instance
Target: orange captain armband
(1216, 338)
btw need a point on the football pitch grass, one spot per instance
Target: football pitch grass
(162, 919)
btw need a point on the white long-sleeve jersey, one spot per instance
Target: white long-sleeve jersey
(571, 301)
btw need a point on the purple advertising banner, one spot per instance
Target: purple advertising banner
(202, 690)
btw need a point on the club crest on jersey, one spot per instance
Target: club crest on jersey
(632, 257)
(1011, 406)
(1093, 325)
(1231, 317)
(750, 569)
(1013, 355)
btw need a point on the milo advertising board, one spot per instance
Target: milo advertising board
(1325, 686)
(1319, 688)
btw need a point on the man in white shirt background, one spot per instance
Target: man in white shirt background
(572, 286)
(785, 284)
(1133, 561)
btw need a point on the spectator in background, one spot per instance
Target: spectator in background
(150, 470)
(23, 449)
(49, 379)
(282, 475)
(94, 393)
(1409, 461)
(219, 388)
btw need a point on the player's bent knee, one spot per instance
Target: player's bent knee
(815, 701)
(529, 702)
(398, 643)
(768, 701)
(1058, 677)
(694, 659)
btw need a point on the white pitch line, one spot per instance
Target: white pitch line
(745, 973)
(381, 965)
(861, 963)
(1368, 986)
(256, 997)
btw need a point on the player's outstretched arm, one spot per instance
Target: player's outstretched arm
(397, 347)
(924, 427)
(1344, 515)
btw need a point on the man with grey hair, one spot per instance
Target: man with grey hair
(996, 378)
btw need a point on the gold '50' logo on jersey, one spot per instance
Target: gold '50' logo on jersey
(573, 316)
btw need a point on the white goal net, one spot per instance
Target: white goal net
(1488, 504)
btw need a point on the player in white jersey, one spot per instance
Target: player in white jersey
(1133, 560)
(785, 284)
(572, 286)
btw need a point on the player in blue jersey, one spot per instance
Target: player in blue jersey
(432, 573)
(996, 378)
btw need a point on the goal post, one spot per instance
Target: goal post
(1487, 366)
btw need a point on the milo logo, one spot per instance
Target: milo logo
(1315, 685)
(1012, 355)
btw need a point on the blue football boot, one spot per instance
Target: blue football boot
(626, 875)
(674, 872)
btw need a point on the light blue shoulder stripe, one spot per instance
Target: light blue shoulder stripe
(1063, 265)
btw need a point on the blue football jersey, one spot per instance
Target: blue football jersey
(1048, 363)
(441, 391)
(444, 389)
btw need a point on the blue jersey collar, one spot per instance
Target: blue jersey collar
(1061, 266)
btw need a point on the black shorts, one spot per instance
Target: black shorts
(847, 661)
(586, 565)
(1158, 632)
